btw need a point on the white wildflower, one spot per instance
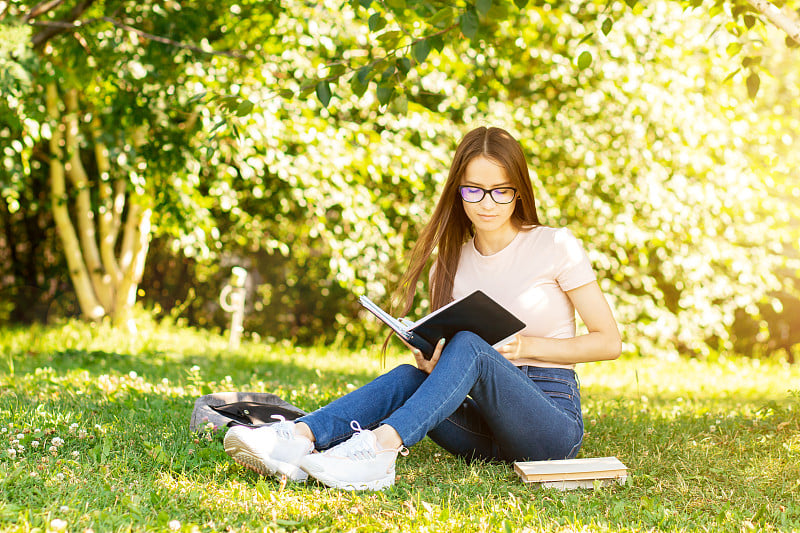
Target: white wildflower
(57, 441)
(53, 450)
(57, 524)
(20, 436)
(132, 374)
(64, 508)
(60, 476)
(12, 452)
(73, 428)
(174, 525)
(34, 444)
(75, 454)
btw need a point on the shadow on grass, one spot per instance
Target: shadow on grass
(213, 368)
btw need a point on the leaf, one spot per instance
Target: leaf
(733, 48)
(521, 3)
(483, 6)
(218, 125)
(336, 70)
(584, 60)
(437, 43)
(421, 49)
(731, 75)
(376, 22)
(631, 3)
(607, 25)
(364, 74)
(586, 37)
(403, 64)
(749, 61)
(389, 39)
(357, 86)
(753, 82)
(442, 18)
(749, 21)
(387, 74)
(323, 91)
(245, 108)
(384, 93)
(469, 24)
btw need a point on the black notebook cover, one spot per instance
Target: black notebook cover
(477, 313)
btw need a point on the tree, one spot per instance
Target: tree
(112, 101)
(317, 145)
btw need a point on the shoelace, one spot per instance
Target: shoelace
(362, 445)
(284, 430)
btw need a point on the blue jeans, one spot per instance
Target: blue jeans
(475, 404)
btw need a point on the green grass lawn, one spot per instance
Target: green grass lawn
(94, 435)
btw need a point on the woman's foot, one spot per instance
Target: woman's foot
(359, 463)
(269, 450)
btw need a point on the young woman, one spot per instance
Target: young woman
(519, 402)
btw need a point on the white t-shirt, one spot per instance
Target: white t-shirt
(529, 277)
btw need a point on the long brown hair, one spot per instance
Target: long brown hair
(449, 227)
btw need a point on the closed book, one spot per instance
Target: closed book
(572, 473)
(476, 312)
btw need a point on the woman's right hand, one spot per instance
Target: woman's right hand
(427, 365)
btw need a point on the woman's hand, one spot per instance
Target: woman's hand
(427, 365)
(513, 349)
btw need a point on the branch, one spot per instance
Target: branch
(53, 29)
(60, 26)
(170, 42)
(778, 18)
(42, 8)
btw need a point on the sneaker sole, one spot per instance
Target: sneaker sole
(376, 484)
(241, 453)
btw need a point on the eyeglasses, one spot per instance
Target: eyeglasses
(501, 195)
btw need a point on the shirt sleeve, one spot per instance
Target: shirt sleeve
(575, 269)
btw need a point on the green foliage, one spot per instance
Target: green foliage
(716, 453)
(307, 142)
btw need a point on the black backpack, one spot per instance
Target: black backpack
(240, 408)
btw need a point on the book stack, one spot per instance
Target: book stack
(570, 474)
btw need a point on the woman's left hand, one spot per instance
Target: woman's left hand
(427, 365)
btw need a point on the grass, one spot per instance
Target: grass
(712, 445)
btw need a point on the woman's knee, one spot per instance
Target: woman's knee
(406, 372)
(464, 339)
(466, 345)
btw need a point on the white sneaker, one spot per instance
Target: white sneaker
(356, 464)
(269, 450)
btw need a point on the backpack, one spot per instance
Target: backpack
(240, 408)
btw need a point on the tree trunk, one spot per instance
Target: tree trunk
(78, 273)
(783, 19)
(105, 280)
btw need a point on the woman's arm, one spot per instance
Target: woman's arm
(602, 342)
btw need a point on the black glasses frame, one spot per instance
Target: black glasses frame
(485, 191)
